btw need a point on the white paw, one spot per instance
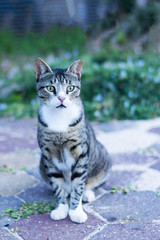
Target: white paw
(60, 212)
(78, 216)
(88, 196)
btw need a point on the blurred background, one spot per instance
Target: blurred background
(118, 41)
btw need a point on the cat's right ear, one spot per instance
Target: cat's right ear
(40, 68)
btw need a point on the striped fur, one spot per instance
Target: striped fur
(72, 162)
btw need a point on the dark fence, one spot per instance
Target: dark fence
(24, 15)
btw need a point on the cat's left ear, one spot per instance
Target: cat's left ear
(76, 68)
(40, 68)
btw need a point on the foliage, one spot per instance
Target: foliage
(121, 86)
(124, 89)
(7, 169)
(125, 190)
(28, 209)
(55, 40)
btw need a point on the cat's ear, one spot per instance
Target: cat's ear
(76, 68)
(40, 68)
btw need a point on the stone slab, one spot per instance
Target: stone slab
(35, 172)
(156, 166)
(8, 202)
(5, 234)
(37, 193)
(130, 139)
(134, 158)
(115, 125)
(121, 179)
(134, 206)
(41, 227)
(121, 232)
(20, 159)
(17, 135)
(12, 184)
(155, 130)
(149, 180)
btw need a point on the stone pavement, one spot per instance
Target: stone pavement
(126, 207)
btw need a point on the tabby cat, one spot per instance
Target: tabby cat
(72, 162)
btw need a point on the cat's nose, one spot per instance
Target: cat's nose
(61, 99)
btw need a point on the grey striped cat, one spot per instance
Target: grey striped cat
(72, 162)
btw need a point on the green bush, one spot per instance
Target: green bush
(124, 88)
(56, 40)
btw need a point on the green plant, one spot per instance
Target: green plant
(6, 169)
(55, 40)
(125, 189)
(28, 209)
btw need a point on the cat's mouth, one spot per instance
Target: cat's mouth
(61, 106)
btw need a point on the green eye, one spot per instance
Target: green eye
(51, 88)
(70, 88)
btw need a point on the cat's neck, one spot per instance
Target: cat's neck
(58, 120)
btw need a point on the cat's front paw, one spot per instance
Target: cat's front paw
(78, 216)
(60, 212)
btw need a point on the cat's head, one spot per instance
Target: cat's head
(58, 88)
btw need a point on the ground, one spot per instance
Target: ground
(126, 207)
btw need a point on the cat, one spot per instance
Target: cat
(72, 161)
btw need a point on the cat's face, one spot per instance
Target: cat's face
(58, 88)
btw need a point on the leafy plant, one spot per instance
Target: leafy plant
(28, 209)
(6, 169)
(158, 192)
(125, 190)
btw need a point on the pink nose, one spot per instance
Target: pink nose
(61, 99)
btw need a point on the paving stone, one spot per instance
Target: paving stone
(6, 235)
(121, 179)
(136, 206)
(8, 202)
(130, 139)
(155, 130)
(114, 125)
(5, 221)
(41, 227)
(35, 172)
(133, 158)
(132, 216)
(37, 193)
(149, 180)
(156, 147)
(19, 160)
(12, 184)
(121, 232)
(156, 166)
(17, 135)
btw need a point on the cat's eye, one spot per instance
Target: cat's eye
(51, 89)
(70, 88)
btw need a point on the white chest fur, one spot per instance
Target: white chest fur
(58, 120)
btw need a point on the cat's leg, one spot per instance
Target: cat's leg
(78, 178)
(61, 209)
(56, 181)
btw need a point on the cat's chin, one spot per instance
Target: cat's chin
(61, 106)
